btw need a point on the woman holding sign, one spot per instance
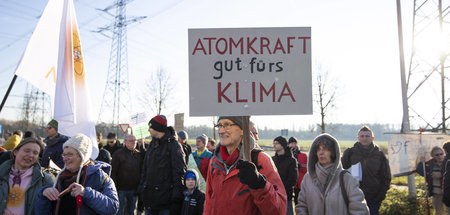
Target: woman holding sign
(82, 187)
(235, 186)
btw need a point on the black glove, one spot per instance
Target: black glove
(249, 175)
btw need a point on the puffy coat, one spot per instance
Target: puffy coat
(53, 151)
(202, 161)
(161, 185)
(376, 174)
(193, 204)
(225, 194)
(100, 195)
(287, 168)
(126, 168)
(38, 180)
(12, 142)
(311, 200)
(302, 164)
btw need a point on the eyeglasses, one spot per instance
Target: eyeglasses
(48, 127)
(439, 154)
(225, 126)
(68, 155)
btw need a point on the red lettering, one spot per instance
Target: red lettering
(286, 87)
(210, 39)
(249, 45)
(237, 94)
(304, 43)
(240, 42)
(253, 92)
(265, 42)
(289, 43)
(279, 45)
(221, 93)
(263, 90)
(201, 48)
(225, 46)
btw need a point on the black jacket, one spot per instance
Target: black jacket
(187, 149)
(104, 155)
(126, 168)
(114, 148)
(446, 182)
(161, 185)
(376, 173)
(288, 171)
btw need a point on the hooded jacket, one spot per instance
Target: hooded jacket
(312, 200)
(193, 202)
(376, 174)
(161, 184)
(287, 168)
(100, 195)
(225, 194)
(53, 150)
(38, 180)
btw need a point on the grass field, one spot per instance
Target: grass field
(305, 144)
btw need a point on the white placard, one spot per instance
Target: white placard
(407, 150)
(250, 71)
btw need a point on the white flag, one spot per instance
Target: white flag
(39, 62)
(72, 98)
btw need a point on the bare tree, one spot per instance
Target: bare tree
(326, 95)
(158, 91)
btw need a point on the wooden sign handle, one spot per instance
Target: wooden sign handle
(246, 140)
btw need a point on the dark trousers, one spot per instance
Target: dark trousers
(374, 207)
(296, 191)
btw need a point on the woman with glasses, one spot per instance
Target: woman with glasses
(235, 186)
(21, 177)
(433, 172)
(82, 186)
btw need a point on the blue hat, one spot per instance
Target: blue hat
(183, 135)
(190, 175)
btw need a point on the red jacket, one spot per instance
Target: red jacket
(225, 194)
(302, 160)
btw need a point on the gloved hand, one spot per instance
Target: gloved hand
(249, 175)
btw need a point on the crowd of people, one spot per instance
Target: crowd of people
(167, 176)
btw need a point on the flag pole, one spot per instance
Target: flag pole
(7, 92)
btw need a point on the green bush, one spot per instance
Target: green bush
(397, 201)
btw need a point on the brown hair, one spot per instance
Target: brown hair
(26, 141)
(366, 128)
(446, 147)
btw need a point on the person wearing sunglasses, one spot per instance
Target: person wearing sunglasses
(433, 172)
(54, 148)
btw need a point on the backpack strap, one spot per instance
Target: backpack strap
(341, 182)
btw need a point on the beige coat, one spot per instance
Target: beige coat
(312, 201)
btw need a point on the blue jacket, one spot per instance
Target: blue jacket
(100, 196)
(38, 180)
(205, 154)
(429, 165)
(54, 150)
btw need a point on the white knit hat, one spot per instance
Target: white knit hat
(82, 144)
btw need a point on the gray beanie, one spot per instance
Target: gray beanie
(236, 119)
(183, 135)
(203, 137)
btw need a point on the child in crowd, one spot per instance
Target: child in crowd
(193, 197)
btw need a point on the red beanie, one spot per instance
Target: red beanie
(158, 123)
